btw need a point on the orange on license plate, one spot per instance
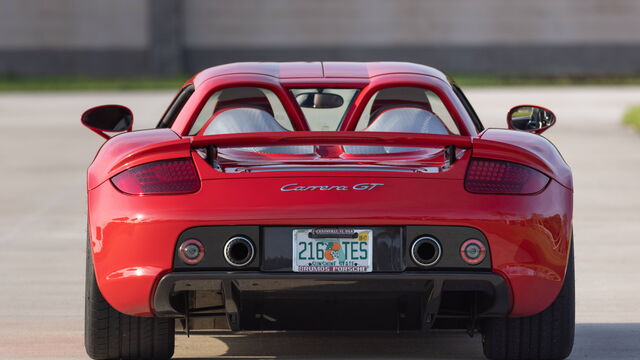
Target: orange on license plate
(332, 250)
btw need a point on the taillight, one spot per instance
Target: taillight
(176, 176)
(502, 177)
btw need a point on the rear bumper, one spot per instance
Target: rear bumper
(241, 290)
(133, 238)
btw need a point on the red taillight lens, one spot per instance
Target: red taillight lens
(177, 176)
(502, 177)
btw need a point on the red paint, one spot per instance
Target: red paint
(134, 237)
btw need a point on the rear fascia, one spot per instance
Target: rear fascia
(134, 237)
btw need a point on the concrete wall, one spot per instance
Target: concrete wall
(284, 23)
(73, 24)
(172, 36)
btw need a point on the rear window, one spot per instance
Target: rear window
(327, 115)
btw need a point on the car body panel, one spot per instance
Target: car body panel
(533, 248)
(529, 149)
(317, 70)
(129, 149)
(205, 88)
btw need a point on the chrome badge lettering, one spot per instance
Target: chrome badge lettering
(357, 187)
(366, 186)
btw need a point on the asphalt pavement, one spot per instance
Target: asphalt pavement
(45, 151)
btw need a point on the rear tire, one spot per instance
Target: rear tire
(544, 336)
(110, 334)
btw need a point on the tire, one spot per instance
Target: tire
(544, 336)
(110, 334)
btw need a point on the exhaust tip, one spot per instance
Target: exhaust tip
(426, 251)
(239, 251)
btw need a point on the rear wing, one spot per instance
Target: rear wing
(135, 148)
(370, 138)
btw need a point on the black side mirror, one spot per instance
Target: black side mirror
(530, 118)
(108, 118)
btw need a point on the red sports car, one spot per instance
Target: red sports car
(327, 196)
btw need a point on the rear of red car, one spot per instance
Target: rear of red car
(343, 229)
(503, 205)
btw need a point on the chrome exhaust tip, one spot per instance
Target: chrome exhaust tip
(239, 251)
(426, 251)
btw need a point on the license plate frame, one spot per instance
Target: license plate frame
(342, 250)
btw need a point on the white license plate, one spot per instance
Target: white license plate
(332, 250)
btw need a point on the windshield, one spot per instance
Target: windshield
(324, 108)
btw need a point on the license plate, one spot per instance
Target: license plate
(332, 250)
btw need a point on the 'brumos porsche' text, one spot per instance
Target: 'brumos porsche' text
(357, 187)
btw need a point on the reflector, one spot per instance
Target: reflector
(472, 251)
(191, 251)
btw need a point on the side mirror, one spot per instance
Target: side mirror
(108, 118)
(531, 118)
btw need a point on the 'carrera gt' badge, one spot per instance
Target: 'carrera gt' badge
(357, 187)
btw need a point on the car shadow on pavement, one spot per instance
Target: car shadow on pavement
(594, 341)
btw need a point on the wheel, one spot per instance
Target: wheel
(110, 334)
(545, 336)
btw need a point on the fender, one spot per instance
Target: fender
(130, 149)
(527, 149)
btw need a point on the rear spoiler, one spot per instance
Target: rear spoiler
(135, 148)
(368, 138)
